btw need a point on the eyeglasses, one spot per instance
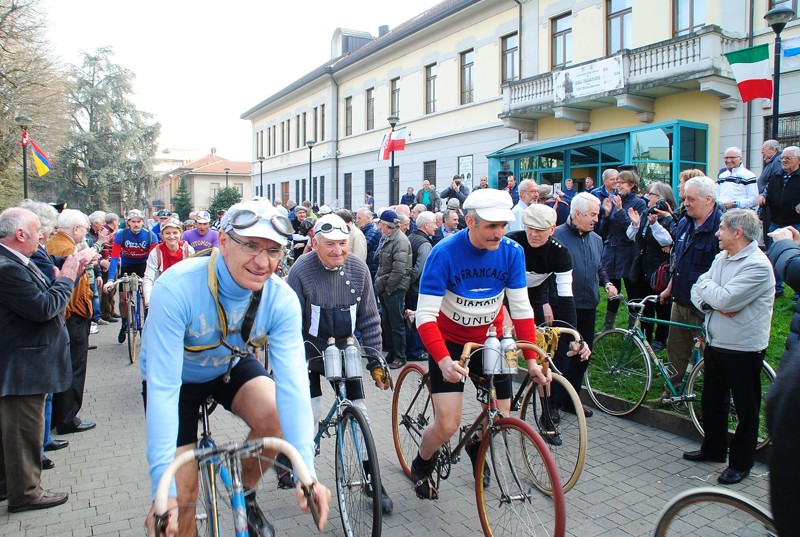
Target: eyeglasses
(246, 218)
(730, 158)
(652, 194)
(327, 227)
(786, 159)
(253, 249)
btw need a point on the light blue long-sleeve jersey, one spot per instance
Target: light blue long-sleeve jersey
(183, 312)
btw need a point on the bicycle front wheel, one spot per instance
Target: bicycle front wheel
(718, 510)
(133, 332)
(694, 389)
(358, 477)
(412, 411)
(564, 433)
(618, 375)
(512, 504)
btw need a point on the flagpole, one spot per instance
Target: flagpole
(23, 122)
(393, 120)
(777, 19)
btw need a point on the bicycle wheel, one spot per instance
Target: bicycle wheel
(412, 411)
(695, 387)
(618, 375)
(512, 503)
(566, 436)
(132, 330)
(358, 492)
(717, 510)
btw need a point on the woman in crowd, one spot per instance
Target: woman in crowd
(170, 251)
(619, 252)
(653, 233)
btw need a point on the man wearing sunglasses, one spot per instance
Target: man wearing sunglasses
(335, 292)
(202, 312)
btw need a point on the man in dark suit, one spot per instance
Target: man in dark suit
(35, 358)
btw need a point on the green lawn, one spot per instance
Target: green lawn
(781, 317)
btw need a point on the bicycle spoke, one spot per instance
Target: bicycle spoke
(512, 504)
(618, 373)
(357, 476)
(411, 413)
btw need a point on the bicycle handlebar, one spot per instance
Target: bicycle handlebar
(634, 302)
(276, 444)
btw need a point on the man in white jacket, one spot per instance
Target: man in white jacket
(736, 297)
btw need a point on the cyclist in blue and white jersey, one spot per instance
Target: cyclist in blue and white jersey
(191, 350)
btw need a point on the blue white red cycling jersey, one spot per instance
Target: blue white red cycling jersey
(461, 294)
(132, 248)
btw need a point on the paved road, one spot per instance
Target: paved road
(631, 471)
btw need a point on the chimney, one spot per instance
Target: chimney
(383, 30)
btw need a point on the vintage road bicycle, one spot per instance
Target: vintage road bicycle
(132, 287)
(520, 465)
(620, 372)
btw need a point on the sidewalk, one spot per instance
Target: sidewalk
(631, 471)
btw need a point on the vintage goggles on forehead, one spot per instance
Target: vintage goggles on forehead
(246, 218)
(327, 227)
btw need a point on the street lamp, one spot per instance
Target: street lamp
(777, 19)
(261, 159)
(23, 121)
(393, 120)
(226, 176)
(310, 144)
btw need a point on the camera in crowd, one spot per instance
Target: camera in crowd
(661, 205)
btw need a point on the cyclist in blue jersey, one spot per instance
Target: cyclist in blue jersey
(129, 254)
(205, 313)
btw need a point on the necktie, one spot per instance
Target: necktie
(37, 272)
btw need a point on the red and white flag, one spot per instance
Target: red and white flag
(384, 152)
(397, 139)
(392, 141)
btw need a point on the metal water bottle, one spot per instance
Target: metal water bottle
(509, 349)
(352, 360)
(492, 355)
(333, 361)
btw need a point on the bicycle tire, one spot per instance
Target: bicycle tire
(132, 331)
(717, 495)
(695, 387)
(619, 373)
(412, 411)
(570, 430)
(215, 501)
(512, 504)
(359, 495)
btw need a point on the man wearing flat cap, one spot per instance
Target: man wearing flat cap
(461, 296)
(391, 283)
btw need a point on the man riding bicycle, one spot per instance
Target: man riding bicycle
(129, 254)
(204, 313)
(461, 295)
(335, 292)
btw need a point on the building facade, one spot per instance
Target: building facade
(546, 89)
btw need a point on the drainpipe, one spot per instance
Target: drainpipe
(521, 56)
(749, 116)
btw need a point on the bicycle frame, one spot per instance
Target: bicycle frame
(679, 391)
(210, 469)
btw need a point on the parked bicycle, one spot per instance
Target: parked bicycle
(715, 509)
(519, 462)
(565, 432)
(358, 476)
(620, 372)
(132, 287)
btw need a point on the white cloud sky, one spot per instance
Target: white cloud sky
(200, 64)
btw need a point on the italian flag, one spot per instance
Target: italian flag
(751, 70)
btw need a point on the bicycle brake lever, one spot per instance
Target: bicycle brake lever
(308, 492)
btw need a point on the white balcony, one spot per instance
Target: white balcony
(681, 64)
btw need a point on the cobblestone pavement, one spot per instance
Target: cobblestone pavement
(631, 471)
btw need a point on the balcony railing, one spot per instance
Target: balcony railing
(679, 59)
